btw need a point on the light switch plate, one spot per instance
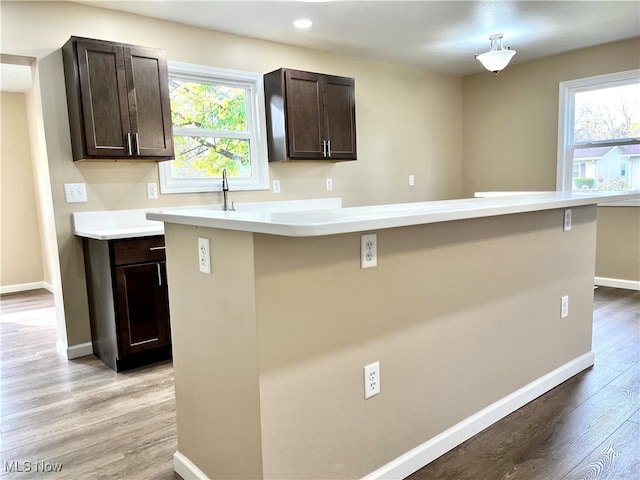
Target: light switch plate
(75, 192)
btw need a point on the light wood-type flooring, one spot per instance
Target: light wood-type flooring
(78, 414)
(97, 424)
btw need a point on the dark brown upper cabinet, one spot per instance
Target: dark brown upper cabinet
(118, 101)
(310, 116)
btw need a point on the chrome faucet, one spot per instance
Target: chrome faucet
(225, 192)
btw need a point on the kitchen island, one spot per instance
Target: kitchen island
(462, 312)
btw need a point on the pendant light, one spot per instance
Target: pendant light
(497, 58)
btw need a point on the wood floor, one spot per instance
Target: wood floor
(78, 415)
(587, 428)
(98, 424)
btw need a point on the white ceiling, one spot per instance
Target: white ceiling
(440, 36)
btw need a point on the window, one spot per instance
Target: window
(218, 123)
(599, 133)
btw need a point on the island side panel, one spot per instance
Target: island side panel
(459, 315)
(215, 351)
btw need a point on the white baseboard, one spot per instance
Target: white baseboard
(24, 287)
(424, 454)
(186, 468)
(617, 283)
(74, 351)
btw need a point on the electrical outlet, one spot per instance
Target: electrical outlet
(564, 308)
(368, 250)
(152, 191)
(329, 184)
(371, 380)
(276, 186)
(75, 192)
(204, 255)
(567, 220)
(412, 180)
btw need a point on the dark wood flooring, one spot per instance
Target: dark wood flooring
(587, 428)
(98, 424)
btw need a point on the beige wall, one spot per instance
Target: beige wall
(510, 135)
(510, 120)
(408, 122)
(20, 246)
(618, 253)
(458, 314)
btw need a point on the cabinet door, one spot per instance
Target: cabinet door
(305, 123)
(103, 89)
(149, 105)
(142, 304)
(340, 118)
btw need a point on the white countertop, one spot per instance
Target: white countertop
(357, 219)
(133, 223)
(115, 224)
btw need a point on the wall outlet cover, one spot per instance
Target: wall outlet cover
(567, 220)
(204, 255)
(371, 380)
(368, 250)
(564, 306)
(329, 184)
(152, 191)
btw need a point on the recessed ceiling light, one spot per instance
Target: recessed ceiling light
(302, 23)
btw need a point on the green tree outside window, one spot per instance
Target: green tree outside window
(210, 125)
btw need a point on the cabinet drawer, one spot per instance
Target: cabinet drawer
(140, 250)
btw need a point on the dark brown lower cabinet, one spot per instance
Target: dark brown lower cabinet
(128, 301)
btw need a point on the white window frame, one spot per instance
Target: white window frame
(566, 110)
(256, 130)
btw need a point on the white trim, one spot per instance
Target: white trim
(422, 455)
(74, 351)
(24, 287)
(617, 283)
(186, 468)
(254, 85)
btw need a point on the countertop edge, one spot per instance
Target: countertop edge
(131, 233)
(422, 213)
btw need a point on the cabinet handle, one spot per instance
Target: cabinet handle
(137, 137)
(329, 148)
(159, 275)
(324, 148)
(129, 150)
(157, 248)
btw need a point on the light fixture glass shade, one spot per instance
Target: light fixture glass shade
(497, 58)
(496, 61)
